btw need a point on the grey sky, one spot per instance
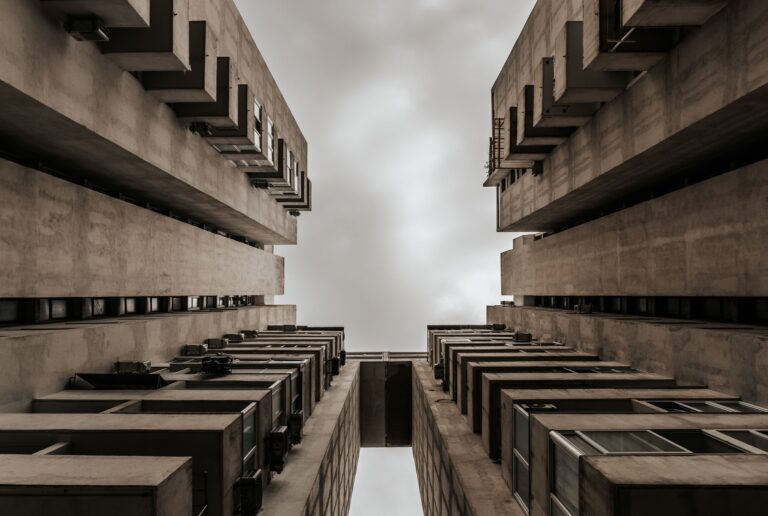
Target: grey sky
(393, 97)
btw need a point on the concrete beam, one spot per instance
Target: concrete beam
(693, 352)
(121, 137)
(669, 13)
(546, 113)
(196, 85)
(631, 252)
(575, 85)
(244, 133)
(40, 360)
(163, 46)
(222, 112)
(527, 134)
(86, 244)
(73, 485)
(113, 13)
(606, 49)
(653, 134)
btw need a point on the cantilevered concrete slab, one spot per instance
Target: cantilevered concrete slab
(35, 485)
(669, 13)
(162, 46)
(214, 441)
(704, 485)
(463, 358)
(584, 401)
(548, 113)
(222, 112)
(113, 13)
(488, 402)
(198, 84)
(574, 84)
(543, 424)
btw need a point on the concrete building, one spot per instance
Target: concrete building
(627, 140)
(148, 166)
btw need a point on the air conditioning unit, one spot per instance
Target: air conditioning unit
(295, 426)
(521, 336)
(343, 357)
(86, 28)
(195, 350)
(234, 337)
(335, 366)
(217, 343)
(583, 309)
(249, 493)
(249, 334)
(219, 364)
(499, 327)
(439, 370)
(277, 448)
(133, 367)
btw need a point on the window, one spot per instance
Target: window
(9, 310)
(710, 407)
(99, 306)
(257, 125)
(58, 309)
(277, 405)
(521, 456)
(130, 305)
(271, 141)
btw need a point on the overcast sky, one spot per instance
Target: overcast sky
(393, 97)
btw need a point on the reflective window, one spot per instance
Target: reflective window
(271, 141)
(257, 126)
(631, 442)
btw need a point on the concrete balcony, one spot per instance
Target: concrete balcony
(112, 13)
(669, 13)
(196, 85)
(162, 46)
(572, 83)
(223, 111)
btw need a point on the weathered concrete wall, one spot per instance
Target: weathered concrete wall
(320, 473)
(38, 361)
(721, 356)
(455, 474)
(236, 41)
(707, 96)
(88, 113)
(61, 239)
(709, 239)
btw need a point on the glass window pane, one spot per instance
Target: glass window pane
(738, 406)
(755, 440)
(58, 308)
(277, 405)
(521, 432)
(632, 442)
(9, 310)
(565, 485)
(249, 431)
(522, 481)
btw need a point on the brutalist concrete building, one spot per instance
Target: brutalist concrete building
(626, 377)
(148, 166)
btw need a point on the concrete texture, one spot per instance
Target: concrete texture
(579, 400)
(42, 358)
(680, 486)
(121, 136)
(669, 246)
(92, 486)
(213, 441)
(63, 240)
(680, 114)
(319, 475)
(724, 357)
(113, 13)
(455, 475)
(542, 424)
